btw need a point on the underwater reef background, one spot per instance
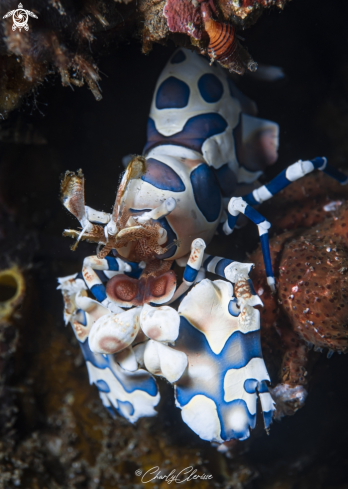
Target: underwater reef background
(54, 431)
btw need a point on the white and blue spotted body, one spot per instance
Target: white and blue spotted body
(198, 123)
(218, 391)
(133, 394)
(190, 150)
(204, 142)
(179, 173)
(197, 106)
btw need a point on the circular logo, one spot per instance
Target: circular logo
(20, 18)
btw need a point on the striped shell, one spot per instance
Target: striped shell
(223, 43)
(224, 46)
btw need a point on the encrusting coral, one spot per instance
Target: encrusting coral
(66, 36)
(311, 265)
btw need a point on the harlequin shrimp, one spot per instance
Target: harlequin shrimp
(204, 144)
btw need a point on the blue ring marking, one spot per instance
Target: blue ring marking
(262, 387)
(190, 273)
(139, 380)
(162, 176)
(207, 261)
(206, 192)
(227, 179)
(232, 307)
(267, 418)
(278, 183)
(98, 291)
(136, 270)
(179, 57)
(336, 174)
(101, 275)
(239, 349)
(250, 386)
(125, 408)
(266, 254)
(112, 263)
(196, 130)
(134, 266)
(231, 220)
(221, 265)
(134, 273)
(210, 88)
(102, 386)
(250, 199)
(172, 94)
(318, 162)
(253, 215)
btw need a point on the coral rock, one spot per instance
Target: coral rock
(247, 11)
(313, 284)
(183, 16)
(310, 200)
(312, 304)
(155, 24)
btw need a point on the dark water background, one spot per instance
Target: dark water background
(309, 40)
